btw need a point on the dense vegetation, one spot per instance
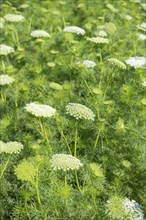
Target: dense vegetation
(49, 71)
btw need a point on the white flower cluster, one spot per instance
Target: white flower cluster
(87, 63)
(144, 83)
(40, 110)
(102, 33)
(5, 50)
(118, 208)
(5, 80)
(14, 17)
(98, 40)
(142, 26)
(79, 111)
(10, 147)
(39, 33)
(74, 29)
(133, 209)
(141, 36)
(117, 62)
(137, 62)
(65, 162)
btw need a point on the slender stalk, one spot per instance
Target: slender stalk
(77, 181)
(65, 180)
(75, 144)
(62, 134)
(97, 138)
(43, 132)
(5, 167)
(37, 191)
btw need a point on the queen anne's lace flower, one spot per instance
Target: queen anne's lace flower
(98, 40)
(144, 83)
(118, 208)
(14, 17)
(142, 26)
(79, 111)
(65, 162)
(137, 62)
(5, 80)
(39, 33)
(10, 147)
(117, 62)
(89, 63)
(133, 209)
(5, 50)
(102, 33)
(40, 110)
(141, 36)
(74, 29)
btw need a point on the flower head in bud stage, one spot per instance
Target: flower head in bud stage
(11, 147)
(55, 86)
(39, 33)
(98, 40)
(5, 80)
(14, 17)
(119, 208)
(40, 110)
(5, 50)
(74, 29)
(117, 62)
(137, 62)
(65, 162)
(79, 111)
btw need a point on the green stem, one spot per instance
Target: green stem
(3, 97)
(77, 181)
(62, 134)
(43, 132)
(65, 180)
(75, 144)
(37, 191)
(97, 138)
(6, 164)
(87, 86)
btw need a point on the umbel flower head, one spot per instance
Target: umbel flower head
(79, 111)
(39, 33)
(11, 147)
(5, 50)
(137, 62)
(25, 171)
(117, 62)
(141, 36)
(5, 80)
(98, 40)
(40, 110)
(119, 208)
(89, 63)
(65, 162)
(74, 29)
(14, 17)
